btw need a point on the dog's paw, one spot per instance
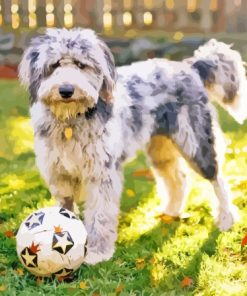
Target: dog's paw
(93, 257)
(227, 217)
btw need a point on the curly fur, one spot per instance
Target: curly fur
(155, 101)
(225, 77)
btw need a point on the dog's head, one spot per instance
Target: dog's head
(68, 70)
(223, 71)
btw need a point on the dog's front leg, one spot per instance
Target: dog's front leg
(101, 215)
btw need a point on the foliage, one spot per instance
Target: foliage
(155, 255)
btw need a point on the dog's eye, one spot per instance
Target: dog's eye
(56, 65)
(80, 65)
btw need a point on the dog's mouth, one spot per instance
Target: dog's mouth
(64, 109)
(67, 101)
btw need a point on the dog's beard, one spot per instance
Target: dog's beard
(63, 111)
(71, 108)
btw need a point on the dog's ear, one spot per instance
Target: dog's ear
(31, 65)
(24, 68)
(109, 72)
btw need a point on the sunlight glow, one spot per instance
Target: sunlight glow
(127, 18)
(50, 19)
(191, 5)
(127, 4)
(67, 8)
(107, 5)
(21, 135)
(49, 8)
(178, 36)
(32, 17)
(169, 4)
(147, 18)
(140, 220)
(14, 8)
(31, 5)
(1, 16)
(32, 20)
(213, 6)
(15, 20)
(148, 4)
(14, 182)
(68, 20)
(107, 20)
(68, 16)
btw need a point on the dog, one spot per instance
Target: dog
(89, 118)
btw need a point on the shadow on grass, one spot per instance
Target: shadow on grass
(192, 269)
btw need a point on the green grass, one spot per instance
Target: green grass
(152, 256)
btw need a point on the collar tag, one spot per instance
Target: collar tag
(68, 132)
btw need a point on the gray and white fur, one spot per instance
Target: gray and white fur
(71, 78)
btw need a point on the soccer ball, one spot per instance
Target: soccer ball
(51, 241)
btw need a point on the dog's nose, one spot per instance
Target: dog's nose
(66, 91)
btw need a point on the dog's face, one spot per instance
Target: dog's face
(68, 70)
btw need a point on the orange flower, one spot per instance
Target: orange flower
(166, 219)
(119, 288)
(244, 241)
(9, 233)
(186, 282)
(143, 173)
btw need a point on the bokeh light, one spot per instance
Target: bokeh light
(169, 4)
(127, 18)
(107, 20)
(147, 18)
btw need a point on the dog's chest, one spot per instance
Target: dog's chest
(82, 155)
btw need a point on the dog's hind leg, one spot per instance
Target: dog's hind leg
(221, 187)
(196, 139)
(169, 169)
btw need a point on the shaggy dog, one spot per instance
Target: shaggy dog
(86, 125)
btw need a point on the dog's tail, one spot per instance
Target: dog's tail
(223, 72)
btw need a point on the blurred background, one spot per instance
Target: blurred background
(133, 29)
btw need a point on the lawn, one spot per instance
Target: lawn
(154, 255)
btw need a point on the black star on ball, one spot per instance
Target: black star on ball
(63, 272)
(35, 220)
(67, 214)
(62, 242)
(29, 258)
